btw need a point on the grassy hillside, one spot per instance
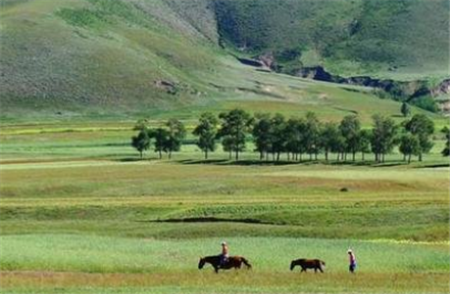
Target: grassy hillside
(129, 58)
(400, 39)
(98, 53)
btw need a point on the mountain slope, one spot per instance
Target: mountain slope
(98, 53)
(127, 56)
(401, 39)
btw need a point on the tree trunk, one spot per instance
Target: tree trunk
(362, 156)
(353, 156)
(310, 156)
(278, 156)
(237, 155)
(140, 152)
(316, 156)
(206, 154)
(409, 159)
(326, 155)
(420, 156)
(261, 155)
(170, 154)
(160, 154)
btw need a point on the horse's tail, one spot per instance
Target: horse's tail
(245, 261)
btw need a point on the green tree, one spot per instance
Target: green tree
(277, 135)
(261, 134)
(236, 124)
(206, 131)
(312, 134)
(384, 137)
(350, 127)
(141, 124)
(339, 146)
(446, 150)
(141, 142)
(330, 137)
(409, 145)
(405, 109)
(177, 133)
(364, 142)
(294, 136)
(228, 145)
(423, 127)
(161, 136)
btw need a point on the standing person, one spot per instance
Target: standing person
(352, 259)
(224, 255)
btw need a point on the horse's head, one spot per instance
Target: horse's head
(293, 264)
(201, 263)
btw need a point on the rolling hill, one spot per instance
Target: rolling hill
(98, 57)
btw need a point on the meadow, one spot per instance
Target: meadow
(80, 213)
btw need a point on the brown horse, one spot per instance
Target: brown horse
(315, 264)
(232, 262)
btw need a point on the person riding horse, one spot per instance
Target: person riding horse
(225, 255)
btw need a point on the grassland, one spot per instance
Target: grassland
(79, 213)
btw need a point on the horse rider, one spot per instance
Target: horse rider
(352, 260)
(224, 256)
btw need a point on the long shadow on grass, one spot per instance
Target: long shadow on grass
(285, 162)
(209, 220)
(439, 165)
(239, 162)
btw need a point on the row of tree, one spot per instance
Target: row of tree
(167, 138)
(274, 135)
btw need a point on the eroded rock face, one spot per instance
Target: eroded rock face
(411, 89)
(167, 86)
(267, 59)
(442, 89)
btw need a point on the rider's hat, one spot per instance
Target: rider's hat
(224, 243)
(349, 251)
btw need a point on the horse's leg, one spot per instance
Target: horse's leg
(303, 270)
(315, 270)
(320, 268)
(216, 269)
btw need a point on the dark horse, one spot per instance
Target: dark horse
(232, 262)
(315, 264)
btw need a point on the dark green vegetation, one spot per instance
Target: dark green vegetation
(274, 135)
(348, 37)
(106, 58)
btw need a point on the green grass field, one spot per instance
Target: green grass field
(79, 213)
